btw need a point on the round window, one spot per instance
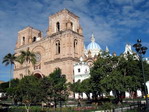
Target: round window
(38, 57)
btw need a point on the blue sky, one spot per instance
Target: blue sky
(113, 22)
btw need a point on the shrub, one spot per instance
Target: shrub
(107, 106)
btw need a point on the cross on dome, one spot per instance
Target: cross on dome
(92, 38)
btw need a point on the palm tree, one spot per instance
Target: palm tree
(27, 57)
(9, 59)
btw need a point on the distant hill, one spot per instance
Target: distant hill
(1, 81)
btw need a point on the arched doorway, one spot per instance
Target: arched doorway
(38, 75)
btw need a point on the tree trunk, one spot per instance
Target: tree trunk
(27, 110)
(27, 107)
(10, 75)
(88, 95)
(55, 105)
(42, 105)
(95, 96)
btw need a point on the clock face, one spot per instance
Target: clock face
(38, 57)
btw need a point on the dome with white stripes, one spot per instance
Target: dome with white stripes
(93, 45)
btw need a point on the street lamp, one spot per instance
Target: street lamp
(141, 50)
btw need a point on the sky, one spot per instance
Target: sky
(114, 23)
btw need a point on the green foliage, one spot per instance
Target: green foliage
(27, 56)
(146, 70)
(102, 67)
(9, 59)
(85, 85)
(56, 87)
(76, 87)
(22, 109)
(32, 90)
(82, 87)
(29, 89)
(13, 90)
(4, 86)
(117, 73)
(107, 106)
(64, 109)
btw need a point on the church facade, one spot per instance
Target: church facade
(61, 48)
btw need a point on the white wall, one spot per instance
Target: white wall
(81, 71)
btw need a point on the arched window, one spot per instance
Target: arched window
(39, 34)
(71, 25)
(37, 57)
(63, 76)
(34, 39)
(21, 75)
(79, 70)
(58, 47)
(58, 26)
(23, 41)
(75, 45)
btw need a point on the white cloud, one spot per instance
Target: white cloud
(138, 1)
(122, 2)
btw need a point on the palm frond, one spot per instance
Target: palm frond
(27, 56)
(9, 59)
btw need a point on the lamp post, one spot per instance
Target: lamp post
(141, 50)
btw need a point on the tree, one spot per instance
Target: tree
(4, 86)
(29, 91)
(102, 67)
(76, 87)
(56, 87)
(27, 57)
(131, 71)
(13, 91)
(82, 87)
(146, 70)
(117, 74)
(86, 88)
(9, 59)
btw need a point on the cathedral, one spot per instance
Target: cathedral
(61, 48)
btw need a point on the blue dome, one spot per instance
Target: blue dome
(93, 45)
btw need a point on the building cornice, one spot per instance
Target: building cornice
(61, 60)
(21, 68)
(61, 32)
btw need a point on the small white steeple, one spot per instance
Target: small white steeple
(128, 49)
(107, 49)
(81, 59)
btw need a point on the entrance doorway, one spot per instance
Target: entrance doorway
(38, 75)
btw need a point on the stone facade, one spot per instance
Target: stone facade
(62, 47)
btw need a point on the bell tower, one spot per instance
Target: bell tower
(27, 36)
(64, 20)
(67, 41)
